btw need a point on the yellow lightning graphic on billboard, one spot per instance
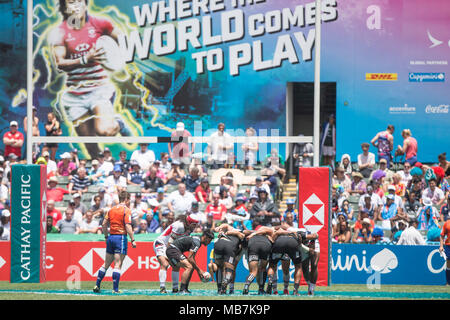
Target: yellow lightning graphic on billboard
(55, 80)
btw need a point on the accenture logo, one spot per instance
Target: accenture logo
(94, 259)
(313, 214)
(402, 110)
(443, 108)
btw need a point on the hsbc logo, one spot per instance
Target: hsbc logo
(82, 47)
(313, 214)
(94, 259)
(91, 33)
(381, 76)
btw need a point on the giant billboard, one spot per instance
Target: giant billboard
(230, 61)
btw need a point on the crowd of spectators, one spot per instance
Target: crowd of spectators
(371, 201)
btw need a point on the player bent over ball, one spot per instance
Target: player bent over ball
(227, 251)
(177, 259)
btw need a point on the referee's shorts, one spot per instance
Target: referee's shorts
(117, 243)
(447, 251)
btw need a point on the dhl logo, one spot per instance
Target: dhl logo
(381, 76)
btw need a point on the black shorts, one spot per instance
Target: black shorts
(174, 255)
(285, 245)
(259, 248)
(225, 250)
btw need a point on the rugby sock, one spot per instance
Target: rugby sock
(219, 279)
(286, 280)
(232, 286)
(162, 278)
(116, 279)
(175, 279)
(182, 286)
(296, 286)
(275, 282)
(100, 276)
(249, 280)
(262, 280)
(227, 279)
(447, 275)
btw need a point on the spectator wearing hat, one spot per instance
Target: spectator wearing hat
(80, 182)
(152, 182)
(251, 201)
(5, 223)
(441, 181)
(13, 140)
(409, 148)
(192, 180)
(53, 212)
(52, 129)
(358, 186)
(377, 235)
(362, 231)
(328, 141)
(144, 156)
(116, 183)
(342, 179)
(65, 166)
(428, 215)
(390, 213)
(179, 147)
(176, 174)
(105, 201)
(136, 176)
(54, 192)
(264, 207)
(238, 217)
(94, 173)
(203, 191)
(401, 226)
(180, 201)
(259, 183)
(383, 166)
(123, 163)
(384, 142)
(227, 182)
(434, 193)
(139, 207)
(411, 236)
(159, 173)
(80, 206)
(217, 209)
(219, 146)
(366, 160)
(108, 156)
(160, 198)
(346, 163)
(290, 203)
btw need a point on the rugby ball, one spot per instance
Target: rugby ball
(206, 277)
(114, 56)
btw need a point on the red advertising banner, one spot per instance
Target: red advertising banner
(82, 260)
(314, 213)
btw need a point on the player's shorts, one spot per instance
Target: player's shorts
(328, 151)
(259, 248)
(285, 245)
(77, 106)
(117, 243)
(447, 251)
(159, 248)
(174, 255)
(225, 250)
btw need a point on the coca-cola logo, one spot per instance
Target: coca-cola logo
(443, 108)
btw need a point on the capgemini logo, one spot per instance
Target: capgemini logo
(382, 263)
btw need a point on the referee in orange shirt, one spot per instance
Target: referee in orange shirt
(119, 219)
(445, 247)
